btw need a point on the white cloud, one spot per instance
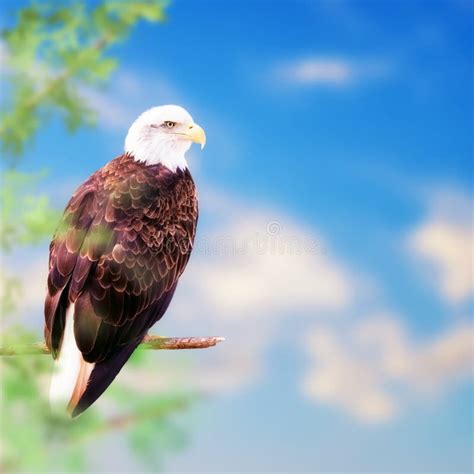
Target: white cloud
(372, 369)
(444, 242)
(332, 71)
(269, 271)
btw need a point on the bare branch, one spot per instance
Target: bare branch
(149, 342)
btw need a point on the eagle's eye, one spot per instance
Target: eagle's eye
(168, 124)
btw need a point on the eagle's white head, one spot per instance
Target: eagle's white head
(163, 135)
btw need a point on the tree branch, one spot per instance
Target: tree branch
(149, 342)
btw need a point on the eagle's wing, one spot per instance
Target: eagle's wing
(118, 267)
(66, 263)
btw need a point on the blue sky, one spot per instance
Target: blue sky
(349, 124)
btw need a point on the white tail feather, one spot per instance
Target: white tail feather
(71, 372)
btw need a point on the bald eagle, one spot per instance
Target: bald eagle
(115, 260)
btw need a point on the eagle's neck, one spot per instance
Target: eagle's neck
(154, 151)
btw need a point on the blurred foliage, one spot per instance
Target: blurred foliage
(26, 219)
(35, 440)
(54, 52)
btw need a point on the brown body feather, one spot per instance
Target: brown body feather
(124, 240)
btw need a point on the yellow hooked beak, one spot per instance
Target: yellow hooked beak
(196, 134)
